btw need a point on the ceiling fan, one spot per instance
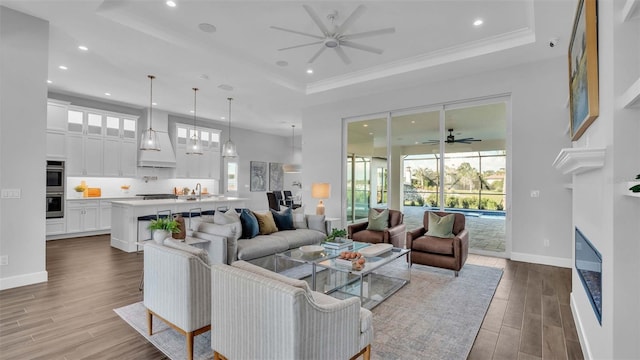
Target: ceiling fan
(452, 139)
(335, 37)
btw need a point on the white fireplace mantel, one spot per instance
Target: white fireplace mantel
(579, 160)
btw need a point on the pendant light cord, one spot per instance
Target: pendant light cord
(195, 90)
(151, 77)
(229, 118)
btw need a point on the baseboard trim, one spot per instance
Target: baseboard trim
(544, 260)
(22, 280)
(584, 344)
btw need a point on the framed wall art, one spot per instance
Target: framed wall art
(258, 175)
(276, 175)
(583, 69)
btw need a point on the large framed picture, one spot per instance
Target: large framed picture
(583, 69)
(258, 175)
(276, 175)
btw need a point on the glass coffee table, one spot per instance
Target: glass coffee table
(300, 265)
(376, 282)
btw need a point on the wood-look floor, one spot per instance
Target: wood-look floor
(71, 316)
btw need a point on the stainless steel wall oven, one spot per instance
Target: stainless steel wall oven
(55, 189)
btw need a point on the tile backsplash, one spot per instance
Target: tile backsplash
(110, 187)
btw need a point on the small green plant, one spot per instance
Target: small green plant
(336, 233)
(167, 224)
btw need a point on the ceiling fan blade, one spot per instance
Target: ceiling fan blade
(354, 15)
(468, 139)
(315, 56)
(298, 32)
(361, 47)
(431, 142)
(369, 33)
(303, 45)
(343, 55)
(316, 19)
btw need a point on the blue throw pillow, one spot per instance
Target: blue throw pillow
(283, 219)
(250, 227)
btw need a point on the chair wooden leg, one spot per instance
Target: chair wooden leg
(456, 273)
(189, 337)
(367, 353)
(218, 356)
(149, 322)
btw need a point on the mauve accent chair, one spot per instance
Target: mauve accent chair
(394, 233)
(447, 253)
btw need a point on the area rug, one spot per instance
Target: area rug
(435, 316)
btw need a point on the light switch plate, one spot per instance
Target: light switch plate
(11, 194)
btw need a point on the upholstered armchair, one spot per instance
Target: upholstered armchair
(177, 289)
(393, 234)
(444, 252)
(259, 314)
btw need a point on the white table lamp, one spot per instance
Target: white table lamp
(320, 191)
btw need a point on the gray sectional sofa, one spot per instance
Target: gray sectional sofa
(259, 250)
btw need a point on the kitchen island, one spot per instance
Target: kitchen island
(125, 229)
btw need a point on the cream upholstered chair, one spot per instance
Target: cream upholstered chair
(177, 289)
(259, 314)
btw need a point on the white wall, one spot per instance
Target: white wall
(24, 45)
(539, 120)
(600, 210)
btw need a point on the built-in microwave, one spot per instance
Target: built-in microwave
(55, 205)
(55, 176)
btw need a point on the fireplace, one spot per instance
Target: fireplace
(589, 268)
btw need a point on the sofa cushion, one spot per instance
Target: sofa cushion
(316, 222)
(283, 219)
(378, 219)
(266, 223)
(299, 220)
(441, 226)
(261, 245)
(195, 221)
(226, 230)
(300, 237)
(431, 244)
(230, 217)
(200, 253)
(249, 224)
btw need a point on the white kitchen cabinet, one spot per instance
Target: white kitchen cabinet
(56, 226)
(84, 155)
(105, 214)
(57, 115)
(82, 216)
(205, 166)
(56, 145)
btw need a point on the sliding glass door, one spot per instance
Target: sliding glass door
(449, 157)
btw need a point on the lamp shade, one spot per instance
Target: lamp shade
(320, 190)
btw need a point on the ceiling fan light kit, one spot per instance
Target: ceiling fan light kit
(336, 38)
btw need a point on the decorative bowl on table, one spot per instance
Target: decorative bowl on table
(311, 249)
(375, 250)
(352, 259)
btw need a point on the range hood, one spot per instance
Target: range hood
(165, 158)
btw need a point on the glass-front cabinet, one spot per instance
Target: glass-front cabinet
(205, 166)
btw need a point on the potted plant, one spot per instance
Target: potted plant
(161, 228)
(636, 188)
(336, 234)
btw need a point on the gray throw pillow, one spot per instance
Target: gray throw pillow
(441, 226)
(378, 221)
(299, 220)
(316, 222)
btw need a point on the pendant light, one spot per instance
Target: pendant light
(149, 138)
(229, 148)
(194, 147)
(292, 167)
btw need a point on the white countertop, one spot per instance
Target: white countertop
(112, 197)
(211, 199)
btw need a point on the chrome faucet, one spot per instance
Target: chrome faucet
(199, 188)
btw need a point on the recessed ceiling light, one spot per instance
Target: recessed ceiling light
(154, 103)
(108, 94)
(83, 48)
(309, 71)
(222, 117)
(371, 133)
(478, 22)
(204, 77)
(171, 3)
(225, 87)
(191, 111)
(413, 121)
(49, 82)
(365, 125)
(206, 27)
(62, 67)
(416, 143)
(282, 63)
